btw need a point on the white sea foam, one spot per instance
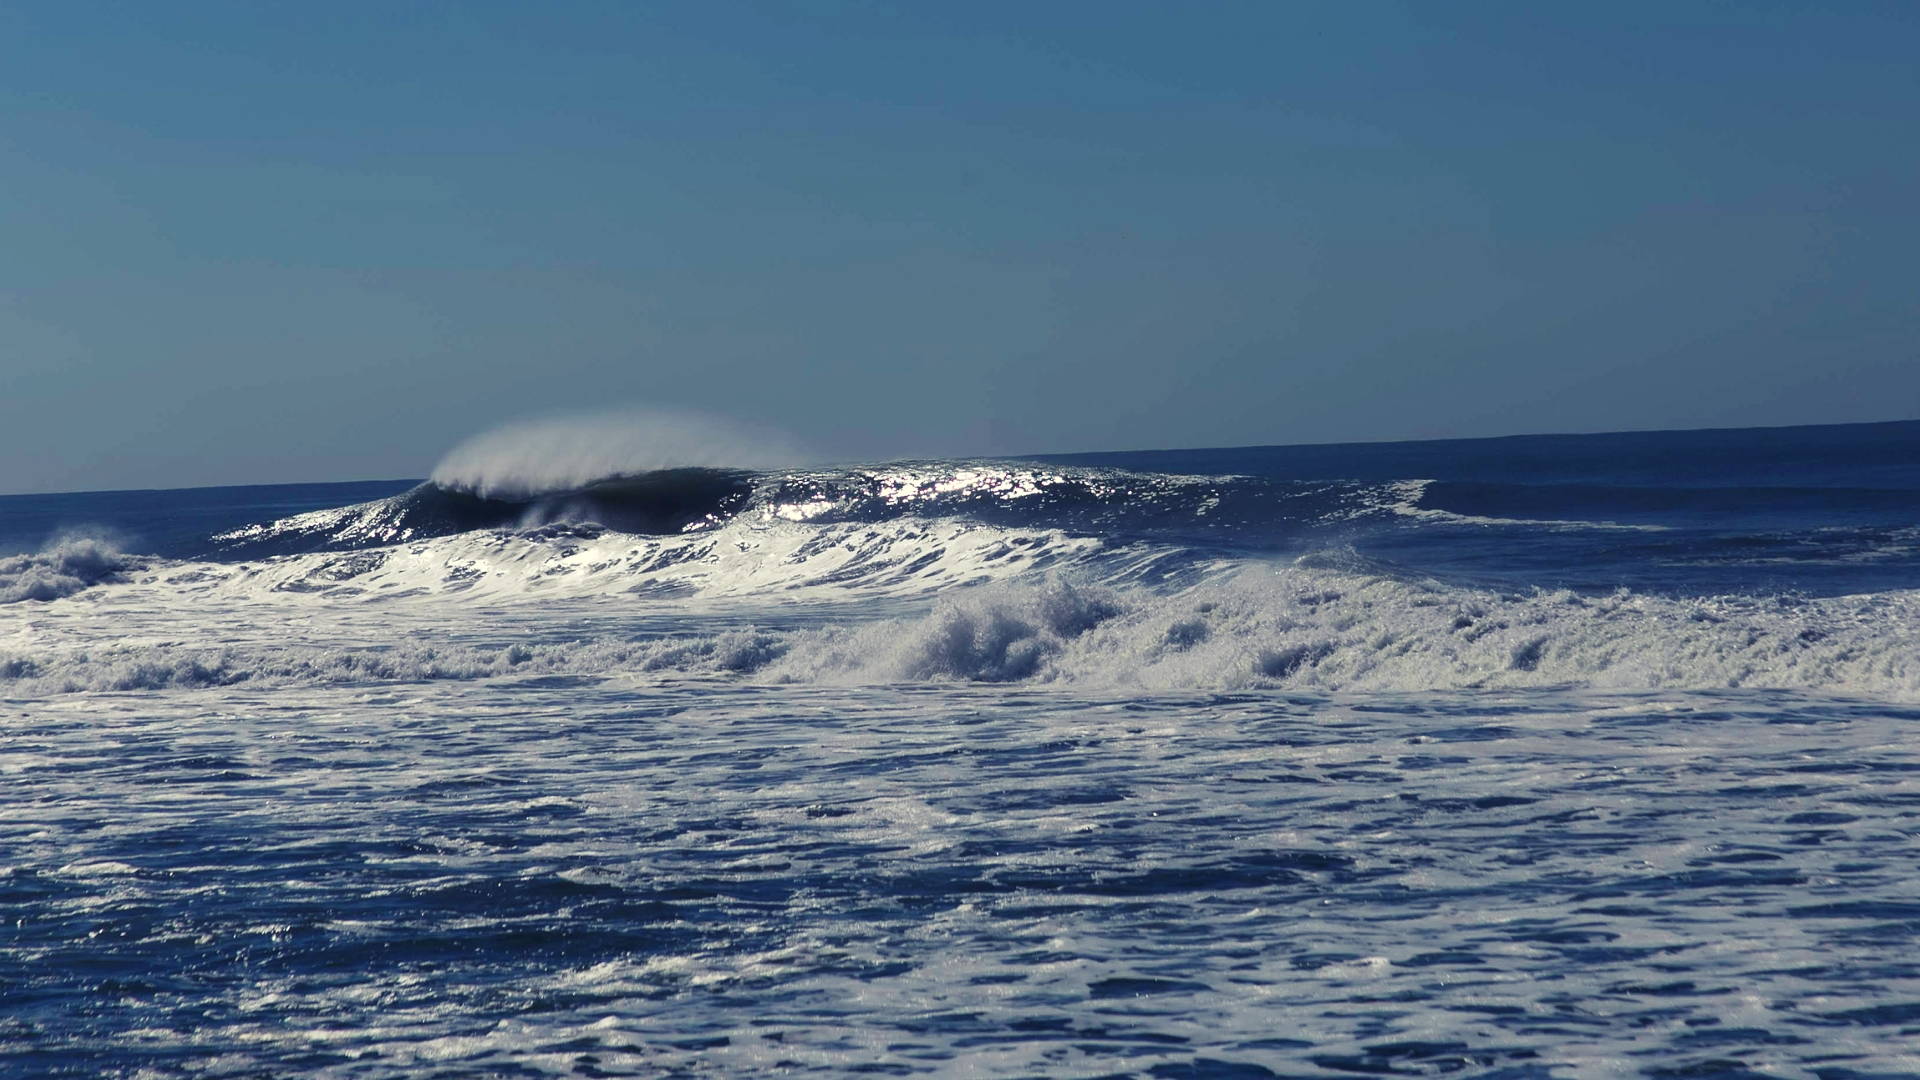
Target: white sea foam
(561, 453)
(1309, 628)
(778, 560)
(1045, 610)
(720, 877)
(62, 568)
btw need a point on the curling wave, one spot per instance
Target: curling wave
(663, 501)
(1110, 503)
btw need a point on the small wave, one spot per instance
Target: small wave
(1413, 496)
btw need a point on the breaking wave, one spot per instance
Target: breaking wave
(1109, 503)
(1307, 626)
(995, 572)
(61, 569)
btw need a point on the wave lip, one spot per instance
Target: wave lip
(1302, 627)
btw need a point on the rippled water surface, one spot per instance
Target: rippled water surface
(615, 876)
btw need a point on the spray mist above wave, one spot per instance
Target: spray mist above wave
(530, 458)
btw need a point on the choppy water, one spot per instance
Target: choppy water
(978, 768)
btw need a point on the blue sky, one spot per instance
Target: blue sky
(259, 242)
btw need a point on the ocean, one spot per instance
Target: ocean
(1555, 757)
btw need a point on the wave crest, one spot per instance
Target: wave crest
(531, 458)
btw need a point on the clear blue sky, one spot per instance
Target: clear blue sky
(253, 242)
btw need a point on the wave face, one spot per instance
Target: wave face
(1585, 536)
(666, 501)
(1108, 503)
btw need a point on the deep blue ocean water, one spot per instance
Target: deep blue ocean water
(1554, 756)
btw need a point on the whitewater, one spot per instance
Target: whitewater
(619, 747)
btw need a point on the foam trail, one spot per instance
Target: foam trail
(564, 453)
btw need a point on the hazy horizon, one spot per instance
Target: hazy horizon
(256, 244)
(427, 473)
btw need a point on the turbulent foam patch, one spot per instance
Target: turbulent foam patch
(983, 635)
(1299, 627)
(124, 668)
(61, 569)
(1312, 629)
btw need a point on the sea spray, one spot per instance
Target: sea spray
(564, 453)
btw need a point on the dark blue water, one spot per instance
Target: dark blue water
(1820, 509)
(174, 522)
(1868, 456)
